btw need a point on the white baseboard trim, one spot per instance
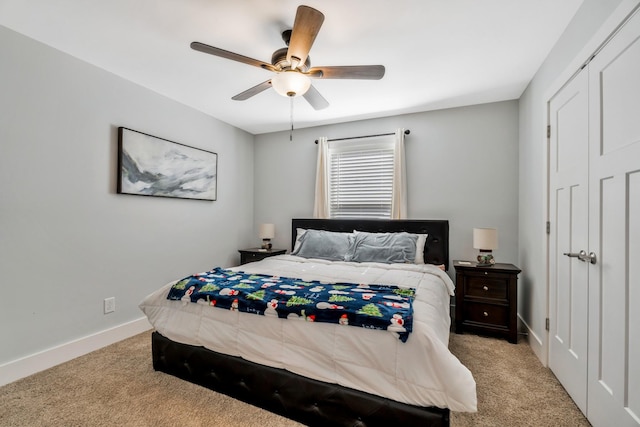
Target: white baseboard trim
(536, 344)
(29, 365)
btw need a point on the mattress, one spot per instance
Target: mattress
(421, 371)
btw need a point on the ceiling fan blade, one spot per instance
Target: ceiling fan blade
(362, 72)
(314, 98)
(253, 91)
(305, 29)
(201, 47)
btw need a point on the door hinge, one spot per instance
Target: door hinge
(548, 227)
(546, 324)
(548, 131)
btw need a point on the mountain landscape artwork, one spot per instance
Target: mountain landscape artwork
(151, 166)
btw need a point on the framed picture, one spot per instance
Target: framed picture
(151, 166)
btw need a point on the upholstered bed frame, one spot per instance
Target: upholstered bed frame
(308, 401)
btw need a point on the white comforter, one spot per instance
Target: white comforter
(420, 372)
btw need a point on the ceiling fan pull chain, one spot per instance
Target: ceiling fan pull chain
(291, 117)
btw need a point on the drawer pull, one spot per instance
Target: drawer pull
(485, 314)
(485, 287)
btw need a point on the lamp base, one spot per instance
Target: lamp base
(266, 244)
(485, 259)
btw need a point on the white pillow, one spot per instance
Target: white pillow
(299, 233)
(422, 240)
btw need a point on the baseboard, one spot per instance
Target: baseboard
(536, 344)
(29, 365)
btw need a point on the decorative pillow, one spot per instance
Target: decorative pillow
(322, 244)
(383, 247)
(421, 242)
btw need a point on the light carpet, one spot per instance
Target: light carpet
(118, 386)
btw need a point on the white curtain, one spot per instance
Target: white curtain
(399, 199)
(321, 203)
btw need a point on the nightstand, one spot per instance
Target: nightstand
(256, 254)
(487, 299)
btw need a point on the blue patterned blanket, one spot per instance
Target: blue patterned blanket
(368, 306)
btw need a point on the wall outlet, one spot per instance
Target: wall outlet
(109, 305)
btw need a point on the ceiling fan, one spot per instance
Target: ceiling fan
(292, 66)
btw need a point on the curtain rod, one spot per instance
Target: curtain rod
(406, 132)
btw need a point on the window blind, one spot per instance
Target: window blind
(361, 178)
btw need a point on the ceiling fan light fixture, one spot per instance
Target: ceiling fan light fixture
(290, 83)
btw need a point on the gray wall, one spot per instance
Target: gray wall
(65, 233)
(67, 240)
(462, 165)
(532, 180)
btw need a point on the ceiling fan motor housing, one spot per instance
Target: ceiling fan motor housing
(279, 60)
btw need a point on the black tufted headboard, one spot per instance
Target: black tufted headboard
(436, 249)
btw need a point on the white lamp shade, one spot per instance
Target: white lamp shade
(290, 83)
(485, 238)
(267, 231)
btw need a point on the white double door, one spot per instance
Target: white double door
(594, 207)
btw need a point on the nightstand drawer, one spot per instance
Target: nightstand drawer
(486, 287)
(256, 254)
(489, 314)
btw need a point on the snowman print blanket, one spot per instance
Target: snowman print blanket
(369, 306)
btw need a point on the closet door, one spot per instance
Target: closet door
(568, 206)
(614, 231)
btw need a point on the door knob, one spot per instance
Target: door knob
(582, 256)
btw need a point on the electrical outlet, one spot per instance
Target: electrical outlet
(109, 305)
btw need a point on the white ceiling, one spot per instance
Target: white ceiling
(437, 53)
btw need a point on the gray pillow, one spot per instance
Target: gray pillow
(322, 244)
(383, 247)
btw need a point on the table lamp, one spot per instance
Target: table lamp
(267, 232)
(485, 240)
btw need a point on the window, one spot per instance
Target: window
(360, 178)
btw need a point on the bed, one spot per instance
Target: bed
(325, 374)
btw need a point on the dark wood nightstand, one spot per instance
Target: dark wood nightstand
(487, 299)
(256, 254)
